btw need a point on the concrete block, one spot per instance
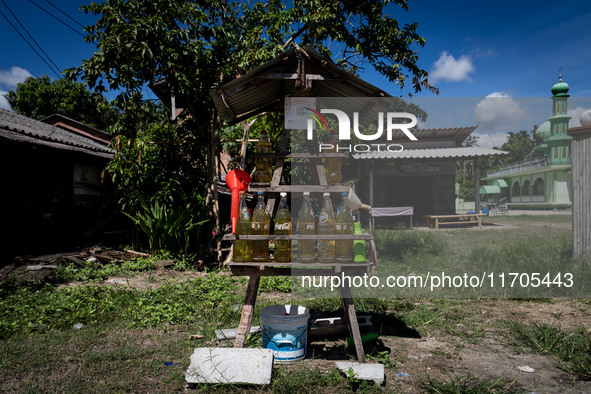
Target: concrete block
(363, 371)
(230, 365)
(230, 333)
(328, 326)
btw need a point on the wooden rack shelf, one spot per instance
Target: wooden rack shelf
(295, 237)
(255, 270)
(272, 268)
(298, 188)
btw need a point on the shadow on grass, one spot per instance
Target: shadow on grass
(334, 347)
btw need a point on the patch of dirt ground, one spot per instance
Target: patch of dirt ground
(491, 355)
(144, 280)
(448, 357)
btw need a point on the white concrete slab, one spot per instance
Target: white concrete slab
(363, 371)
(230, 365)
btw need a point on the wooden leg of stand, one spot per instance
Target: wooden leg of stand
(247, 310)
(349, 307)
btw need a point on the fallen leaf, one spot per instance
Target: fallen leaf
(196, 336)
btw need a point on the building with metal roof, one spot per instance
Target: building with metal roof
(421, 175)
(52, 191)
(20, 130)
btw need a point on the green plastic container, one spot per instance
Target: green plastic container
(358, 244)
(365, 339)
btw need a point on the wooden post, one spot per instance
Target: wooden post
(247, 310)
(581, 183)
(349, 310)
(476, 186)
(371, 219)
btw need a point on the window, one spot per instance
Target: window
(526, 188)
(515, 190)
(538, 189)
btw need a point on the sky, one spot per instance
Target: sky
(499, 53)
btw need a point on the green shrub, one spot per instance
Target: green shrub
(281, 284)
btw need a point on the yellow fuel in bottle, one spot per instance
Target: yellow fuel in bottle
(306, 226)
(344, 224)
(326, 226)
(332, 166)
(242, 249)
(283, 227)
(260, 225)
(263, 164)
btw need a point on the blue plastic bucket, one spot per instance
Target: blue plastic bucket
(285, 331)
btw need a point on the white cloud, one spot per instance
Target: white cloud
(3, 102)
(9, 78)
(491, 140)
(449, 69)
(498, 94)
(498, 111)
(575, 114)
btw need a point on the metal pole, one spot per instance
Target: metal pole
(476, 187)
(371, 223)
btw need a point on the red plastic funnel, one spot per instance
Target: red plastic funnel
(237, 181)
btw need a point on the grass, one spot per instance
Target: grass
(103, 358)
(545, 219)
(129, 333)
(40, 307)
(477, 252)
(468, 384)
(97, 271)
(570, 349)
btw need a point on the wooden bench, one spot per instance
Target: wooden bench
(471, 218)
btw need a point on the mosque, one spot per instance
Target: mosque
(545, 182)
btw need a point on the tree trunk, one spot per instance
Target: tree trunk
(212, 192)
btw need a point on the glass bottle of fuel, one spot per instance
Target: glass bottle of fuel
(283, 227)
(263, 164)
(306, 226)
(344, 226)
(242, 249)
(326, 226)
(332, 166)
(260, 225)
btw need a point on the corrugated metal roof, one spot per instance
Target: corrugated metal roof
(500, 183)
(434, 153)
(265, 87)
(20, 128)
(456, 134)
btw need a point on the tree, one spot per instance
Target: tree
(521, 146)
(465, 171)
(195, 46)
(41, 97)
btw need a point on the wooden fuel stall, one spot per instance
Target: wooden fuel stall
(254, 270)
(298, 72)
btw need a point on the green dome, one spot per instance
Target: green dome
(543, 131)
(560, 88)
